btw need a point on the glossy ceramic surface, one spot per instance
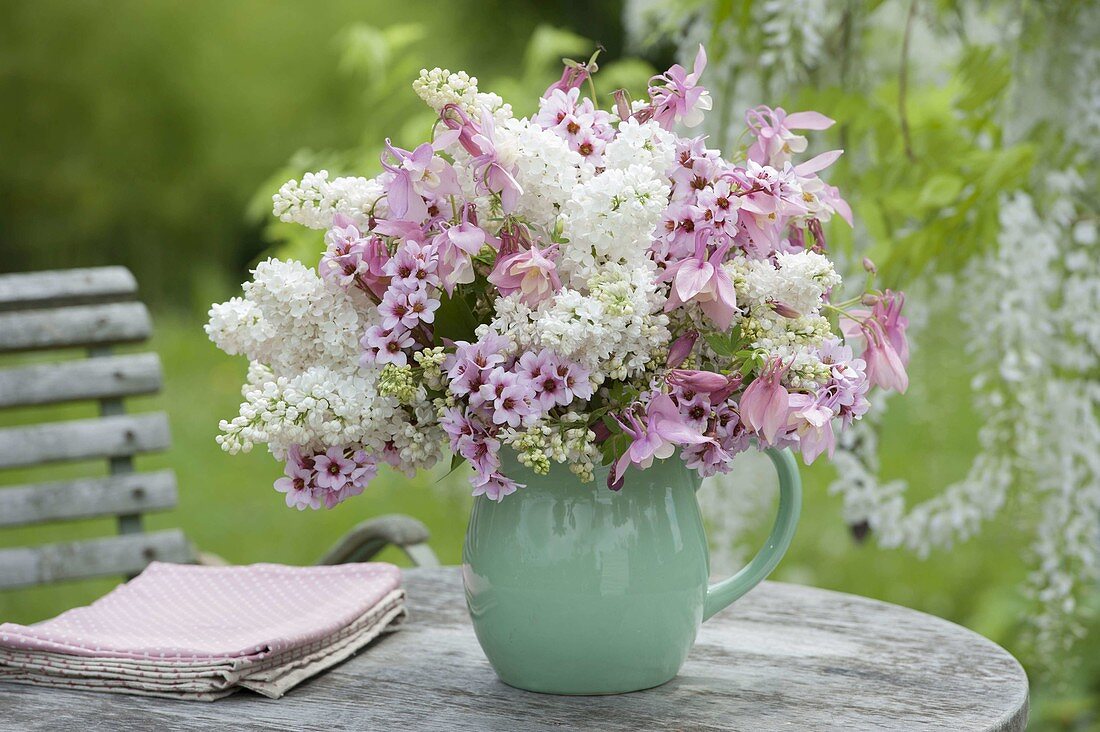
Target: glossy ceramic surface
(575, 589)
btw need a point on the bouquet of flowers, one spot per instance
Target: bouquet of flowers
(583, 286)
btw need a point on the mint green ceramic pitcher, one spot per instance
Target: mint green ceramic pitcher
(575, 589)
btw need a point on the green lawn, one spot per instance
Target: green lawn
(227, 505)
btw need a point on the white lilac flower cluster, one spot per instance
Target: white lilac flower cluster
(440, 87)
(315, 200)
(585, 286)
(289, 320)
(615, 328)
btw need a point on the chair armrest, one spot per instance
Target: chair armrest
(371, 536)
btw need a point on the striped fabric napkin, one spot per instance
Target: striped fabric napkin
(202, 633)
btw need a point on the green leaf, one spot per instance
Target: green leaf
(456, 463)
(454, 320)
(940, 190)
(614, 447)
(722, 344)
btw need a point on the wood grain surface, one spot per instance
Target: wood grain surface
(74, 327)
(83, 439)
(25, 290)
(90, 378)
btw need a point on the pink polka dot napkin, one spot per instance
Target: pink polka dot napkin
(204, 632)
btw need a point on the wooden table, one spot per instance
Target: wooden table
(784, 657)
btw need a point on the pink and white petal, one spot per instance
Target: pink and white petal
(808, 121)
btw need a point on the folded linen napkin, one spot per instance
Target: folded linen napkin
(193, 632)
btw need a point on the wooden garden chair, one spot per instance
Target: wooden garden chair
(96, 310)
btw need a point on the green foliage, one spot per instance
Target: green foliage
(935, 208)
(137, 132)
(616, 445)
(454, 320)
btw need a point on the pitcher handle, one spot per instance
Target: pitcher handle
(721, 594)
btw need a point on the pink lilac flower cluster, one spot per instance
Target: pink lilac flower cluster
(326, 478)
(494, 393)
(578, 122)
(489, 269)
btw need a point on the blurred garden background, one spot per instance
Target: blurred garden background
(152, 134)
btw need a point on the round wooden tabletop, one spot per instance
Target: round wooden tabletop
(784, 657)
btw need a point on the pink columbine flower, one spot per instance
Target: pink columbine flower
(700, 381)
(416, 175)
(775, 140)
(455, 246)
(704, 282)
(765, 404)
(656, 438)
(818, 198)
(888, 312)
(492, 174)
(717, 387)
(677, 96)
(770, 191)
(886, 349)
(783, 309)
(681, 348)
(572, 76)
(531, 272)
(885, 367)
(812, 421)
(375, 256)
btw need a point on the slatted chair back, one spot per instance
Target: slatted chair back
(93, 310)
